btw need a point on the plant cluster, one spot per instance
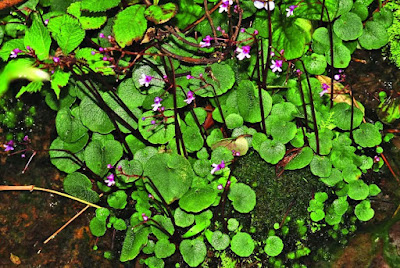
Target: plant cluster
(157, 100)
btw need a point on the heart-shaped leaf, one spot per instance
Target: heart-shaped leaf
(78, 185)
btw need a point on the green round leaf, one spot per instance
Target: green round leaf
(334, 178)
(78, 185)
(171, 173)
(301, 160)
(69, 128)
(363, 211)
(342, 116)
(234, 121)
(62, 160)
(97, 227)
(131, 170)
(348, 26)
(242, 244)
(162, 131)
(384, 16)
(98, 155)
(219, 241)
(361, 10)
(341, 56)
(164, 249)
(358, 190)
(134, 241)
(317, 215)
(193, 251)
(321, 166)
(367, 135)
(233, 224)
(374, 36)
(315, 64)
(374, 190)
(94, 118)
(272, 151)
(117, 199)
(183, 219)
(243, 197)
(220, 76)
(273, 246)
(192, 139)
(340, 206)
(198, 199)
(154, 262)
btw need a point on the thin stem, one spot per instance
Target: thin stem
(312, 107)
(32, 188)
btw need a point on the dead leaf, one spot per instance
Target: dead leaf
(15, 259)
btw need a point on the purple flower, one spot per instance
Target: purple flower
(14, 52)
(290, 10)
(150, 196)
(101, 49)
(153, 122)
(46, 22)
(325, 88)
(242, 30)
(93, 52)
(157, 103)
(119, 168)
(28, 48)
(9, 146)
(143, 118)
(267, 4)
(224, 6)
(276, 65)
(244, 52)
(145, 80)
(217, 167)
(376, 159)
(336, 77)
(101, 35)
(56, 59)
(206, 41)
(190, 97)
(189, 76)
(110, 180)
(105, 58)
(26, 138)
(145, 218)
(255, 32)
(220, 187)
(109, 166)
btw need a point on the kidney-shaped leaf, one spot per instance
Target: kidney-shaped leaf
(171, 173)
(243, 197)
(193, 251)
(198, 199)
(80, 186)
(242, 244)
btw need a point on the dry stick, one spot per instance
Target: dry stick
(207, 13)
(202, 18)
(312, 107)
(67, 223)
(33, 187)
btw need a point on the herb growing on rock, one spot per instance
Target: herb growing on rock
(202, 122)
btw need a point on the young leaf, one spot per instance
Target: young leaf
(273, 246)
(58, 80)
(67, 31)
(38, 38)
(242, 244)
(243, 197)
(363, 211)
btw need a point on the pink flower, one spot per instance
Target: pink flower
(376, 159)
(217, 167)
(325, 88)
(190, 97)
(110, 180)
(56, 59)
(189, 76)
(14, 52)
(109, 166)
(264, 4)
(206, 41)
(276, 65)
(101, 35)
(145, 218)
(290, 10)
(157, 103)
(224, 6)
(9, 146)
(220, 187)
(244, 52)
(46, 22)
(336, 77)
(145, 80)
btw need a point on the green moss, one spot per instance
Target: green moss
(290, 193)
(394, 33)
